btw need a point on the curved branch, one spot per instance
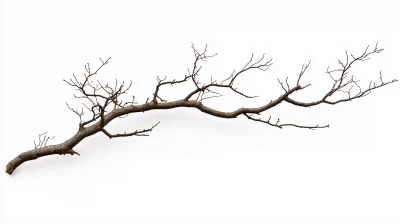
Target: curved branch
(341, 82)
(102, 96)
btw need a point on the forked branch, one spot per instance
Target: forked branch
(103, 102)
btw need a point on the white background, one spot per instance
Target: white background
(195, 168)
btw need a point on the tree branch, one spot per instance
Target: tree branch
(136, 133)
(341, 82)
(105, 102)
(276, 124)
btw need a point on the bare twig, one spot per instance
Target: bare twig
(276, 124)
(342, 81)
(136, 133)
(42, 142)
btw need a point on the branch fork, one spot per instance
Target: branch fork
(103, 102)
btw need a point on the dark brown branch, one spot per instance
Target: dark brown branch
(341, 82)
(100, 96)
(136, 133)
(105, 102)
(276, 124)
(163, 82)
(249, 66)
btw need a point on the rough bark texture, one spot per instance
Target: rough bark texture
(103, 96)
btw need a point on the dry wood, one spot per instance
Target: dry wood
(104, 101)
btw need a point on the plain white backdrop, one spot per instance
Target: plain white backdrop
(195, 168)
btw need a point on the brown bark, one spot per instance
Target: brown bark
(110, 97)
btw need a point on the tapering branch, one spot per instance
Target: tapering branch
(251, 64)
(136, 133)
(341, 82)
(42, 142)
(104, 102)
(276, 124)
(100, 96)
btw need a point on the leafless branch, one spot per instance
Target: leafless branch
(340, 83)
(278, 125)
(99, 95)
(105, 102)
(250, 65)
(136, 133)
(42, 142)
